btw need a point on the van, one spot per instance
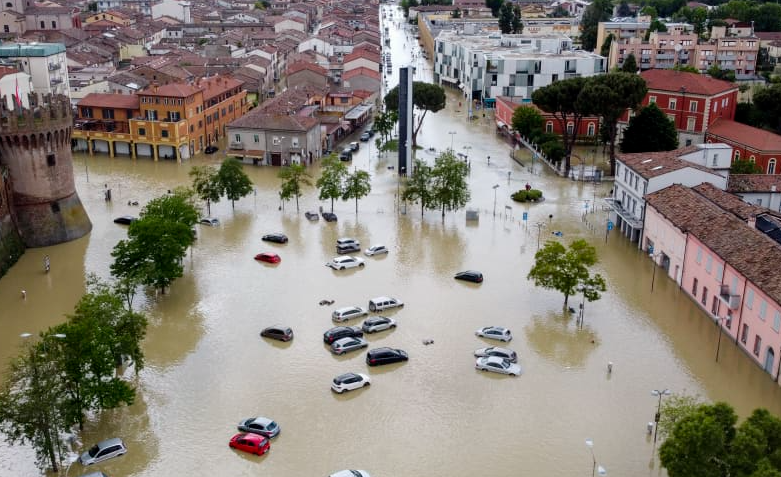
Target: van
(383, 303)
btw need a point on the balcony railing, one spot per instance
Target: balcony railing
(54, 66)
(732, 301)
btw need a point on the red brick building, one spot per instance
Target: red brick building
(748, 143)
(506, 106)
(692, 101)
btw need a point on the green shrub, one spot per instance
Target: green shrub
(534, 194)
(520, 196)
(523, 195)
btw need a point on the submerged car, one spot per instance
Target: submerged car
(384, 303)
(497, 365)
(378, 323)
(268, 257)
(345, 345)
(344, 262)
(211, 149)
(354, 146)
(125, 220)
(348, 248)
(365, 136)
(275, 238)
(103, 450)
(349, 381)
(342, 332)
(376, 250)
(497, 352)
(278, 332)
(495, 333)
(350, 473)
(210, 221)
(251, 443)
(470, 276)
(313, 216)
(348, 313)
(380, 356)
(329, 216)
(260, 425)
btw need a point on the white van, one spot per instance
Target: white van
(383, 303)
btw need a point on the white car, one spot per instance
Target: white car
(348, 313)
(376, 250)
(347, 241)
(210, 221)
(497, 365)
(383, 303)
(350, 473)
(497, 352)
(345, 345)
(347, 261)
(348, 382)
(495, 333)
(378, 323)
(103, 450)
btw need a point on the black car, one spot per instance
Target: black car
(342, 332)
(329, 217)
(348, 248)
(379, 356)
(470, 276)
(210, 149)
(276, 238)
(278, 332)
(125, 220)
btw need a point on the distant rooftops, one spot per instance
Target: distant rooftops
(16, 50)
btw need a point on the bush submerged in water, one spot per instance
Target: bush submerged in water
(531, 195)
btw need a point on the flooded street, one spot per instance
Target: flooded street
(435, 415)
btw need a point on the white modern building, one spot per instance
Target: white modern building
(489, 65)
(44, 62)
(174, 9)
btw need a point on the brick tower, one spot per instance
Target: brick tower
(35, 148)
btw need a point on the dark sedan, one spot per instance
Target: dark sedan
(470, 276)
(276, 238)
(329, 217)
(379, 356)
(125, 220)
(342, 332)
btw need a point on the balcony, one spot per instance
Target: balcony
(629, 217)
(54, 66)
(236, 145)
(732, 301)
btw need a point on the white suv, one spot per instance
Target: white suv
(348, 313)
(383, 303)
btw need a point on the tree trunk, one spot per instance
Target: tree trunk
(566, 300)
(297, 203)
(332, 205)
(356, 205)
(208, 207)
(422, 208)
(233, 204)
(443, 211)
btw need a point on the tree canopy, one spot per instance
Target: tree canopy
(417, 186)
(768, 102)
(425, 97)
(649, 131)
(598, 11)
(567, 269)
(357, 185)
(206, 185)
(630, 64)
(294, 177)
(332, 178)
(233, 181)
(495, 6)
(527, 121)
(744, 166)
(449, 188)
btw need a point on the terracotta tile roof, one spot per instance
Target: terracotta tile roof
(172, 90)
(768, 35)
(749, 251)
(729, 202)
(754, 183)
(362, 53)
(278, 122)
(695, 83)
(216, 85)
(117, 101)
(362, 71)
(654, 164)
(754, 138)
(301, 66)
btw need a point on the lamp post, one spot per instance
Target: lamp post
(658, 415)
(654, 257)
(718, 343)
(584, 289)
(595, 469)
(540, 226)
(452, 135)
(494, 188)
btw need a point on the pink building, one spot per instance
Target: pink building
(723, 253)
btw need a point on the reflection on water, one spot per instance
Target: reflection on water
(556, 338)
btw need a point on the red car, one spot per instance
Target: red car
(252, 443)
(268, 257)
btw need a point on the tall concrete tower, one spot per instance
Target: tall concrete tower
(405, 119)
(35, 148)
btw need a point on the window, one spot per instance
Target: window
(729, 319)
(714, 308)
(734, 287)
(238, 138)
(737, 155)
(343, 100)
(777, 321)
(294, 142)
(704, 300)
(54, 24)
(9, 5)
(651, 99)
(549, 127)
(200, 124)
(672, 104)
(6, 29)
(256, 138)
(771, 166)
(693, 106)
(694, 287)
(752, 159)
(276, 141)
(591, 130)
(86, 112)
(51, 161)
(762, 310)
(708, 264)
(719, 271)
(151, 114)
(43, 25)
(690, 122)
(230, 108)
(570, 128)
(108, 114)
(699, 255)
(744, 334)
(164, 133)
(750, 299)
(192, 128)
(757, 344)
(141, 132)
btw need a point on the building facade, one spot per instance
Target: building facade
(275, 139)
(46, 63)
(506, 106)
(748, 143)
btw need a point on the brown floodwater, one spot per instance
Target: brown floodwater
(207, 368)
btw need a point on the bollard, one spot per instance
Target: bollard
(609, 367)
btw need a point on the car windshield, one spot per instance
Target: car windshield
(92, 452)
(271, 426)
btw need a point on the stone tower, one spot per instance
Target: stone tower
(35, 148)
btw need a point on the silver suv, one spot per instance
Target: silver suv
(348, 313)
(103, 450)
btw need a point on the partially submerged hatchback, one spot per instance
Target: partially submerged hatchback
(103, 450)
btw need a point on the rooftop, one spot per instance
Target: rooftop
(654, 164)
(15, 50)
(755, 138)
(277, 122)
(695, 83)
(748, 250)
(114, 101)
(754, 183)
(729, 202)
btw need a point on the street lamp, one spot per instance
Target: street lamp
(718, 343)
(658, 415)
(494, 188)
(584, 289)
(540, 226)
(595, 469)
(452, 135)
(654, 257)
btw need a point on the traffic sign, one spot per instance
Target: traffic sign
(525, 216)
(609, 225)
